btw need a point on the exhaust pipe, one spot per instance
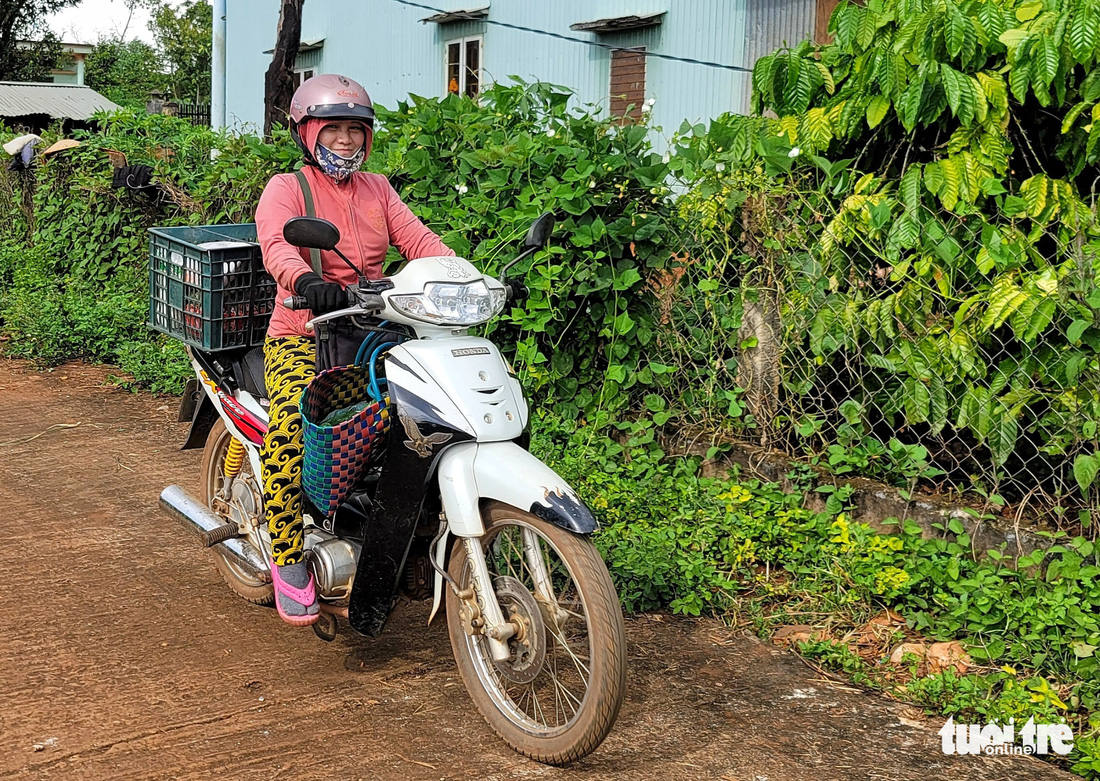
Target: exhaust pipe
(212, 529)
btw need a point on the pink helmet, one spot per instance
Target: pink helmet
(329, 96)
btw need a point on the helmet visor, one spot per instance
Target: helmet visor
(343, 111)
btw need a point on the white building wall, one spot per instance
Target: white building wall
(382, 44)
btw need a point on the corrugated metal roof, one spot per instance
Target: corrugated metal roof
(632, 22)
(304, 46)
(60, 101)
(465, 15)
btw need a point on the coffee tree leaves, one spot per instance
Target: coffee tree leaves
(876, 110)
(1082, 34)
(1085, 469)
(1002, 437)
(1077, 329)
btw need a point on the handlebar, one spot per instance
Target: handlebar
(515, 290)
(368, 304)
(371, 303)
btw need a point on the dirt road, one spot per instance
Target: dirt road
(124, 656)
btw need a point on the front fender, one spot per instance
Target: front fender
(504, 471)
(470, 471)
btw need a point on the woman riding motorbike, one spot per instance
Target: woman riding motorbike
(332, 122)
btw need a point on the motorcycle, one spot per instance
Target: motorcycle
(454, 508)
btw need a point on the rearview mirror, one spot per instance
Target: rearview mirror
(539, 234)
(311, 233)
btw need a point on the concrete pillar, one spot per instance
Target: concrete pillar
(217, 68)
(155, 102)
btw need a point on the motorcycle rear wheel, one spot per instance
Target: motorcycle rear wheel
(557, 698)
(240, 580)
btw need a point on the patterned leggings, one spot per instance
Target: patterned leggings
(289, 365)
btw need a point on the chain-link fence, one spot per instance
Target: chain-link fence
(948, 353)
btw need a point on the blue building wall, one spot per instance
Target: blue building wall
(383, 44)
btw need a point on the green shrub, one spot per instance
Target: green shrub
(480, 173)
(159, 365)
(53, 318)
(477, 173)
(749, 551)
(619, 343)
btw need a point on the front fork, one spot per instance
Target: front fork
(496, 629)
(481, 610)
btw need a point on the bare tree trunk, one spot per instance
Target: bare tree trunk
(279, 79)
(129, 16)
(758, 367)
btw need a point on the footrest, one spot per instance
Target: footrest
(220, 534)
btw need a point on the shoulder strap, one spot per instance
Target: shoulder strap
(314, 254)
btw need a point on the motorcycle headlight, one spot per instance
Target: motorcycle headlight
(447, 303)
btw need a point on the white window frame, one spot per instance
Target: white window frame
(462, 63)
(300, 75)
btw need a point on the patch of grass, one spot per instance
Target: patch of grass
(748, 552)
(50, 319)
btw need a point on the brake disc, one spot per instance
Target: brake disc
(528, 644)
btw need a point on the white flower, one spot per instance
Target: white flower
(795, 152)
(462, 189)
(720, 167)
(591, 183)
(550, 132)
(650, 102)
(646, 108)
(666, 158)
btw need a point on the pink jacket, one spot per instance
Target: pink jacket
(370, 216)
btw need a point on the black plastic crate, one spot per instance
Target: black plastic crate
(208, 286)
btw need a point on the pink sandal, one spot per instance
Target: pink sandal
(306, 597)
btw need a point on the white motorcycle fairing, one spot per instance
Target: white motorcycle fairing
(465, 381)
(457, 395)
(463, 385)
(507, 473)
(241, 412)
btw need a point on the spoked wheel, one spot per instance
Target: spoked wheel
(238, 499)
(557, 696)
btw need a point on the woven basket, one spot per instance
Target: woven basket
(335, 456)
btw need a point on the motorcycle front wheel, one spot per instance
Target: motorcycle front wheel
(556, 698)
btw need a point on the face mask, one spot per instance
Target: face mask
(339, 168)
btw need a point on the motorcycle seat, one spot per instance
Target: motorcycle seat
(248, 370)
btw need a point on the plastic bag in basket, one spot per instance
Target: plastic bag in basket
(336, 454)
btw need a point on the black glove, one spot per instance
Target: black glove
(321, 297)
